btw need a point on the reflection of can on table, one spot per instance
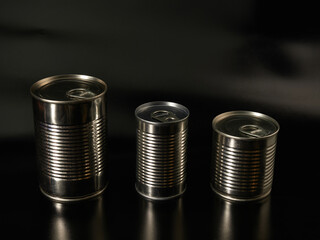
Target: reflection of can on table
(161, 149)
(244, 146)
(70, 131)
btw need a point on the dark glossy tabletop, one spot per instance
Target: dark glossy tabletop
(290, 212)
(211, 57)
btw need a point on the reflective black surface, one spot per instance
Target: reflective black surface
(290, 212)
(211, 57)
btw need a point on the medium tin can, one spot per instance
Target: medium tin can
(244, 146)
(161, 149)
(70, 133)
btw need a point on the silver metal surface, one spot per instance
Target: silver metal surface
(244, 146)
(161, 149)
(164, 116)
(70, 131)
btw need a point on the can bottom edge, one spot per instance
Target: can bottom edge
(73, 199)
(237, 199)
(160, 198)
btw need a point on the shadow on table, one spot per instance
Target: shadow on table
(249, 220)
(83, 220)
(161, 220)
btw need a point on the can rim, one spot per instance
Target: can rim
(248, 113)
(168, 103)
(47, 80)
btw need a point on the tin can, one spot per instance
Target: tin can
(244, 146)
(70, 132)
(161, 149)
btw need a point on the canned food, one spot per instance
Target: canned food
(244, 146)
(161, 149)
(70, 133)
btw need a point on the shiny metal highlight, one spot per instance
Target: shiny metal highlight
(161, 149)
(244, 147)
(70, 136)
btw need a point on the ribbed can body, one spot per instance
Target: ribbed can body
(243, 164)
(161, 153)
(70, 138)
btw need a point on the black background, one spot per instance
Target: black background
(211, 57)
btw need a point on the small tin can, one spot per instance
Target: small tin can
(244, 146)
(161, 149)
(70, 132)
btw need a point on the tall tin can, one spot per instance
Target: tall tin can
(244, 146)
(70, 132)
(161, 149)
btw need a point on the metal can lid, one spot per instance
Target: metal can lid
(162, 112)
(245, 125)
(68, 88)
